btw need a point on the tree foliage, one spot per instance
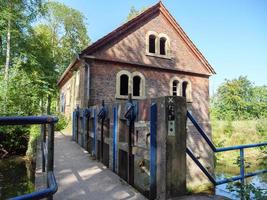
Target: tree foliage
(134, 12)
(36, 48)
(68, 32)
(240, 99)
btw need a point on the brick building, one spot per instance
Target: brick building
(149, 56)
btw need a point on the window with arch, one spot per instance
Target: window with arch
(152, 44)
(133, 83)
(162, 46)
(123, 81)
(186, 90)
(124, 84)
(136, 86)
(175, 87)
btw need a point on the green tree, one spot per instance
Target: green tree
(68, 33)
(134, 12)
(239, 99)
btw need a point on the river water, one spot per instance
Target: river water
(233, 190)
(16, 177)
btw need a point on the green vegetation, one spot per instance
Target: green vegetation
(239, 116)
(62, 122)
(38, 40)
(239, 99)
(134, 12)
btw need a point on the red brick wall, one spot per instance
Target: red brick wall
(133, 47)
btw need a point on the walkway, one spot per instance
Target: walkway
(81, 178)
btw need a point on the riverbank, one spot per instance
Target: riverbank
(232, 133)
(17, 174)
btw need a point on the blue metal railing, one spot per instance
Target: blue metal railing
(241, 148)
(47, 146)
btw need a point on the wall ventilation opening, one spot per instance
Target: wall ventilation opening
(136, 86)
(152, 44)
(162, 45)
(124, 80)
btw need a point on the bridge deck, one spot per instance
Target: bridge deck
(80, 178)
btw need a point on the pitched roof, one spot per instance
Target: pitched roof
(159, 7)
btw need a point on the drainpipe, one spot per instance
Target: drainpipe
(88, 77)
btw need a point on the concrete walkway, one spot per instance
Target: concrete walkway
(81, 178)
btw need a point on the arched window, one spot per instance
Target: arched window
(184, 89)
(124, 81)
(123, 84)
(136, 86)
(152, 44)
(162, 46)
(187, 90)
(175, 88)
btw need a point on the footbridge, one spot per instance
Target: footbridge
(130, 150)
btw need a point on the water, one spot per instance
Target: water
(16, 177)
(259, 182)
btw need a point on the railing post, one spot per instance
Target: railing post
(242, 171)
(50, 153)
(43, 140)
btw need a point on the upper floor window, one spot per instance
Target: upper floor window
(157, 44)
(162, 46)
(152, 44)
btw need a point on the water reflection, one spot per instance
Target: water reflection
(16, 177)
(257, 183)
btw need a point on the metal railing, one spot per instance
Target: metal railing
(47, 146)
(241, 148)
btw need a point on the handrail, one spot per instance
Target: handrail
(23, 120)
(52, 189)
(242, 175)
(47, 151)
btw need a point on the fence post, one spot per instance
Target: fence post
(115, 127)
(153, 152)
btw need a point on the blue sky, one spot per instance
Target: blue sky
(232, 35)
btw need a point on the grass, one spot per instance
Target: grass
(232, 133)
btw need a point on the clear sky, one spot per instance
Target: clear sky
(231, 34)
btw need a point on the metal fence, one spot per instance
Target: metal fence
(241, 148)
